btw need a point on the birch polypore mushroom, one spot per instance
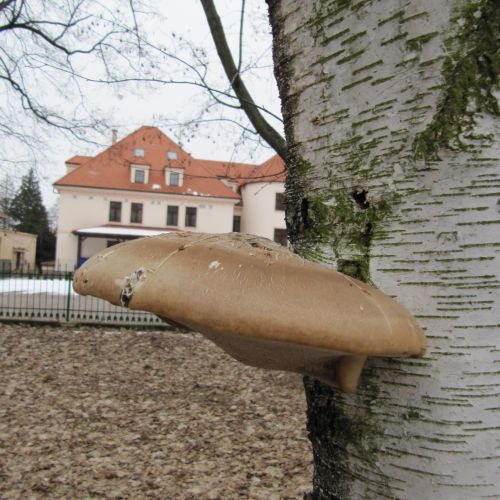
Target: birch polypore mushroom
(264, 305)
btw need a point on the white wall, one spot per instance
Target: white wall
(66, 250)
(259, 215)
(91, 246)
(83, 208)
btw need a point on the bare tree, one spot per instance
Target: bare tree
(54, 56)
(44, 47)
(7, 192)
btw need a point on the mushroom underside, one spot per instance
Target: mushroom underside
(337, 369)
(262, 304)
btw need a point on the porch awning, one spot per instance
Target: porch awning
(129, 232)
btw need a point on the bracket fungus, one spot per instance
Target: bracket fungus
(262, 304)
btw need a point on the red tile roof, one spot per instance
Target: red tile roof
(110, 169)
(273, 170)
(230, 170)
(78, 159)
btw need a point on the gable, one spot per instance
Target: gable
(150, 147)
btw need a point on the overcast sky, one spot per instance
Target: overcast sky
(129, 107)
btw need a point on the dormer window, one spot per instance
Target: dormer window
(139, 152)
(171, 155)
(174, 176)
(139, 174)
(229, 184)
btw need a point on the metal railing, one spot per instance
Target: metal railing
(49, 297)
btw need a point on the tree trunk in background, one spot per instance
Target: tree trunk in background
(393, 134)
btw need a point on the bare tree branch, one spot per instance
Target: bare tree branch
(5, 4)
(52, 53)
(240, 51)
(270, 135)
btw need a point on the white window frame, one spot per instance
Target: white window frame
(134, 168)
(179, 171)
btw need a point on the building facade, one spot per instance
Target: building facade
(17, 250)
(146, 184)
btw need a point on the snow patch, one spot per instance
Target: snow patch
(34, 286)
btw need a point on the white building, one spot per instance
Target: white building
(145, 184)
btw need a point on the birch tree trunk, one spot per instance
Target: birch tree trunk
(392, 124)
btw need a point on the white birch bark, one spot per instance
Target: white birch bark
(360, 81)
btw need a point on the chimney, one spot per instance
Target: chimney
(114, 136)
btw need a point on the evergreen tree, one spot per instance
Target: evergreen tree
(29, 215)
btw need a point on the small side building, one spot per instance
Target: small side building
(17, 250)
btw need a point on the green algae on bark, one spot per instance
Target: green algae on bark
(471, 74)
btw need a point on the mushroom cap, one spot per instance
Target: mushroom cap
(260, 302)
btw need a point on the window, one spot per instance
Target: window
(236, 223)
(136, 213)
(280, 201)
(172, 215)
(190, 217)
(280, 236)
(173, 176)
(115, 211)
(139, 152)
(139, 176)
(173, 179)
(171, 155)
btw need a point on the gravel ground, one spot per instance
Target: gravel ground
(96, 413)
